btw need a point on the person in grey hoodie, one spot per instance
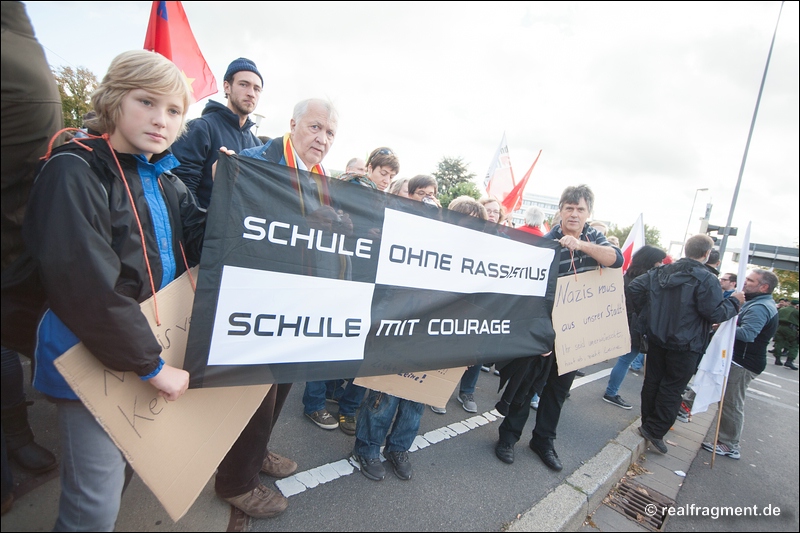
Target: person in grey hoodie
(219, 125)
(680, 302)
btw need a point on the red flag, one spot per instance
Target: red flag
(633, 242)
(169, 34)
(513, 201)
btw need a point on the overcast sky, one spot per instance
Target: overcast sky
(644, 102)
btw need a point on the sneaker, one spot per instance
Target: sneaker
(580, 373)
(468, 402)
(439, 410)
(347, 424)
(535, 402)
(496, 372)
(261, 502)
(682, 417)
(617, 400)
(371, 468)
(485, 368)
(658, 444)
(400, 464)
(278, 466)
(722, 449)
(323, 419)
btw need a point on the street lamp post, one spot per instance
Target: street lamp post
(258, 118)
(690, 220)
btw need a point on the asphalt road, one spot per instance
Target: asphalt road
(459, 484)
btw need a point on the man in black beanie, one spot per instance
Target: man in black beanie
(219, 125)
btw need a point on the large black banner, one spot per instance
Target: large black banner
(301, 283)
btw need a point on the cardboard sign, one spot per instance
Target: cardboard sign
(590, 319)
(173, 446)
(433, 387)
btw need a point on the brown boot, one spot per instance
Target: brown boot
(278, 466)
(261, 502)
(19, 441)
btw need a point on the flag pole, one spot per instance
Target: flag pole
(719, 421)
(749, 137)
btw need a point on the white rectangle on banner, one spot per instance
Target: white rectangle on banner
(266, 317)
(422, 253)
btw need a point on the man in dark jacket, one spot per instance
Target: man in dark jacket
(680, 301)
(218, 125)
(758, 322)
(583, 248)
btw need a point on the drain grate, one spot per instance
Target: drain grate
(639, 503)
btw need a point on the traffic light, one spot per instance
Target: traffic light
(707, 228)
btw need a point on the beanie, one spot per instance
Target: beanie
(238, 65)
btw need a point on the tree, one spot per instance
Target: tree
(466, 188)
(652, 236)
(75, 88)
(450, 172)
(787, 284)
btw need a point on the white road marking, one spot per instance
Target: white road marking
(308, 479)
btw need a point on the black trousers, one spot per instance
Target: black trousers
(550, 403)
(518, 394)
(238, 471)
(668, 373)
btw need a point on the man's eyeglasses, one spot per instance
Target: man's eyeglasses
(492, 211)
(724, 279)
(421, 193)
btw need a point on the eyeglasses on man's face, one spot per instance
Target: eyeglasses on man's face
(420, 193)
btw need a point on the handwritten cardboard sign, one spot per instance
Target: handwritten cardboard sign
(432, 387)
(590, 319)
(173, 446)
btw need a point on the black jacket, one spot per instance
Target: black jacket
(198, 148)
(81, 231)
(681, 301)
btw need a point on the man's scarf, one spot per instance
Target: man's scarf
(317, 173)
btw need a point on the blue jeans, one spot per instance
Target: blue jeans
(350, 399)
(92, 472)
(619, 371)
(375, 419)
(469, 379)
(334, 388)
(314, 396)
(638, 363)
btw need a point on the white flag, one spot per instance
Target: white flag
(633, 242)
(500, 177)
(716, 362)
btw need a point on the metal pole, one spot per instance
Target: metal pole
(680, 254)
(749, 136)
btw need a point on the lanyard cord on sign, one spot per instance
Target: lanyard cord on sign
(572, 260)
(107, 138)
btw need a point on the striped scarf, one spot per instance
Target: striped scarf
(317, 173)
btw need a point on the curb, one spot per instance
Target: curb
(566, 508)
